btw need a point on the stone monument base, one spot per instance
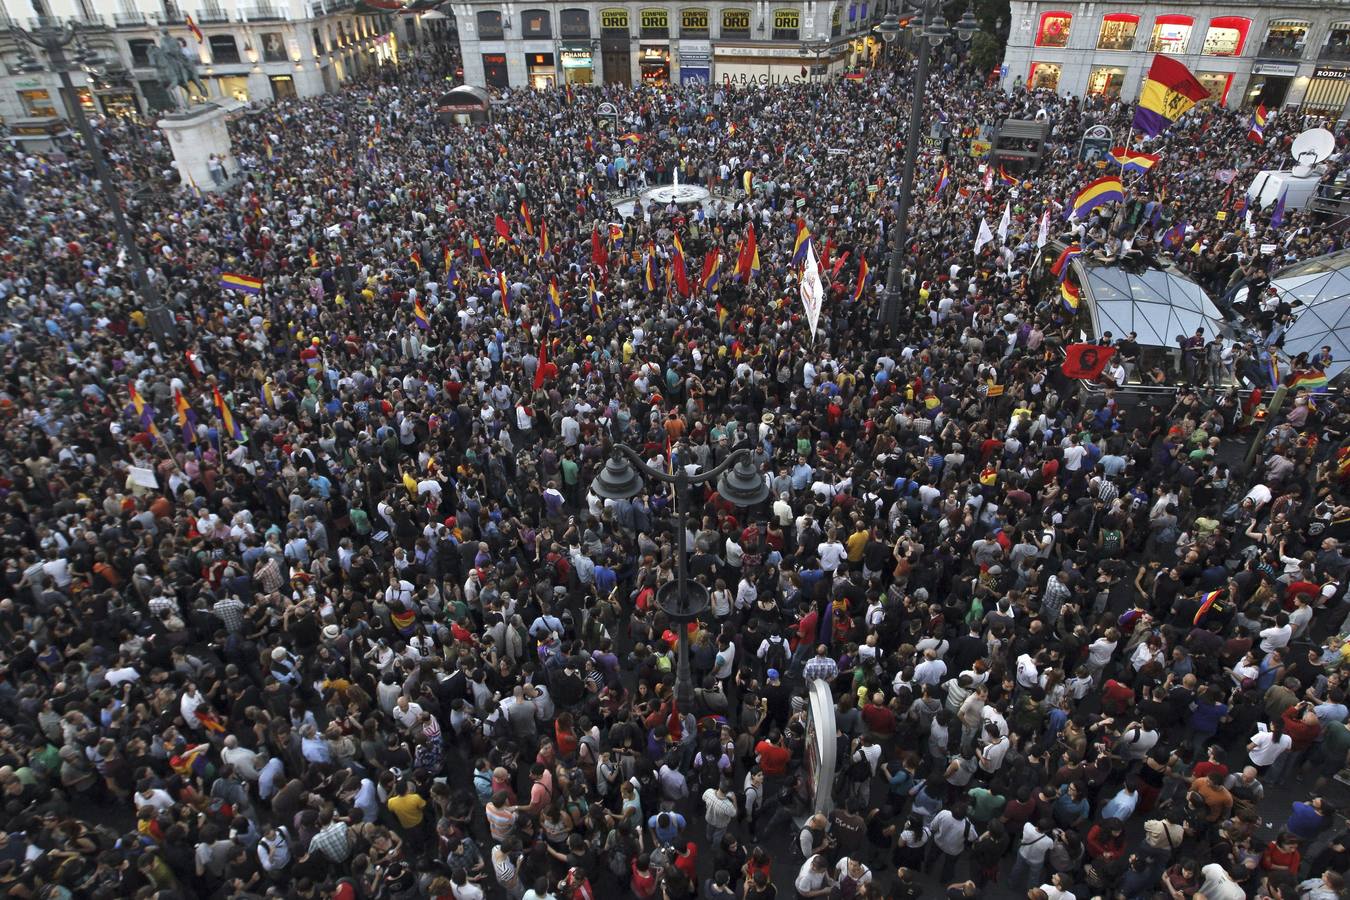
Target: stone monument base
(194, 135)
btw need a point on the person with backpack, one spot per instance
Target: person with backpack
(774, 653)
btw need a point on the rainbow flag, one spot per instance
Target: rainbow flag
(232, 282)
(1257, 132)
(943, 179)
(554, 302)
(1070, 294)
(1314, 380)
(1169, 91)
(1106, 189)
(630, 138)
(863, 275)
(1130, 161)
(227, 422)
(420, 316)
(801, 244)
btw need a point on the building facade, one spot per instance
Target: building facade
(760, 42)
(1293, 54)
(251, 50)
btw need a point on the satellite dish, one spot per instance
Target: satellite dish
(1310, 148)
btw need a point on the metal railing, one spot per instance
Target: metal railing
(1280, 50)
(129, 18)
(211, 16)
(1339, 51)
(263, 13)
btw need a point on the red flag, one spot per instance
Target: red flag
(500, 226)
(1252, 402)
(1086, 361)
(825, 257)
(839, 264)
(599, 255)
(545, 369)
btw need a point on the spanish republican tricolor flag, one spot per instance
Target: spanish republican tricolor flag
(525, 213)
(592, 298)
(1257, 133)
(506, 293)
(1070, 294)
(187, 419)
(478, 252)
(1004, 178)
(1061, 267)
(649, 269)
(1130, 161)
(863, 275)
(1107, 189)
(415, 258)
(800, 245)
(227, 422)
(943, 178)
(712, 271)
(747, 262)
(554, 302)
(543, 239)
(242, 283)
(420, 316)
(1169, 91)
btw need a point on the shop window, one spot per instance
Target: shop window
(575, 23)
(1054, 30)
(654, 22)
(735, 23)
(787, 24)
(490, 25)
(1338, 42)
(37, 103)
(140, 51)
(494, 70)
(224, 49)
(1217, 84)
(283, 87)
(1105, 81)
(694, 22)
(1225, 36)
(1044, 75)
(837, 21)
(1118, 31)
(535, 23)
(1285, 39)
(1171, 34)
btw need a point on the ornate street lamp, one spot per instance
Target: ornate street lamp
(738, 482)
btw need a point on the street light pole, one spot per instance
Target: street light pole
(53, 42)
(738, 481)
(933, 30)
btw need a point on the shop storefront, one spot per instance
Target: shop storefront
(119, 103)
(1044, 75)
(1269, 84)
(577, 64)
(1328, 90)
(615, 46)
(759, 66)
(654, 63)
(494, 70)
(1106, 81)
(233, 87)
(37, 103)
(1217, 83)
(283, 87)
(695, 61)
(540, 71)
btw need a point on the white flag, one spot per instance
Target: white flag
(1043, 236)
(811, 289)
(1004, 223)
(984, 237)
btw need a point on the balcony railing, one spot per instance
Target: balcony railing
(212, 16)
(1336, 51)
(1280, 50)
(129, 18)
(263, 13)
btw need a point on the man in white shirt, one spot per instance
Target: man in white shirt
(832, 553)
(1277, 636)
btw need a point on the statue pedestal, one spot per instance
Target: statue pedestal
(194, 135)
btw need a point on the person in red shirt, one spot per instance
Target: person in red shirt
(1300, 723)
(1282, 855)
(879, 717)
(1213, 763)
(1116, 697)
(772, 756)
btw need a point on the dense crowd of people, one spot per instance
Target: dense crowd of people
(311, 597)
